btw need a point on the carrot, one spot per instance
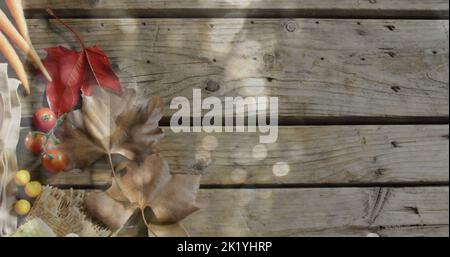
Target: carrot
(14, 60)
(16, 9)
(7, 27)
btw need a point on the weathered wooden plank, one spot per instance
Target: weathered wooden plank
(302, 156)
(243, 8)
(321, 212)
(317, 68)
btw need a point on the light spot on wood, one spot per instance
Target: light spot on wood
(259, 152)
(202, 160)
(281, 169)
(210, 143)
(253, 87)
(239, 176)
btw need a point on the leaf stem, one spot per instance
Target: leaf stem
(114, 173)
(80, 39)
(146, 223)
(112, 168)
(51, 133)
(120, 188)
(184, 229)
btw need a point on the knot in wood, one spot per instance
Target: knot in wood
(269, 59)
(291, 26)
(212, 86)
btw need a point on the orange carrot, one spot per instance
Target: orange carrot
(16, 9)
(13, 59)
(7, 27)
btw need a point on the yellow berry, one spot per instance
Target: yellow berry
(33, 189)
(22, 207)
(22, 177)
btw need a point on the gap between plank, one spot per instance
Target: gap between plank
(285, 186)
(326, 121)
(245, 13)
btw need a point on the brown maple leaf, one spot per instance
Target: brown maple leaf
(109, 124)
(170, 197)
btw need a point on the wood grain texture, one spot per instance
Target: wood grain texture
(302, 156)
(320, 212)
(239, 8)
(317, 68)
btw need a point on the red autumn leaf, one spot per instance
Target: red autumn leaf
(68, 72)
(75, 72)
(101, 71)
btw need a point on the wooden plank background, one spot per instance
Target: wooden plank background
(395, 69)
(336, 155)
(356, 212)
(321, 212)
(378, 69)
(246, 8)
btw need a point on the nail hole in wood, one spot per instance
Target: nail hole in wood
(380, 171)
(396, 89)
(391, 54)
(390, 27)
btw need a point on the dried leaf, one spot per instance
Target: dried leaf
(110, 124)
(170, 197)
(172, 230)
